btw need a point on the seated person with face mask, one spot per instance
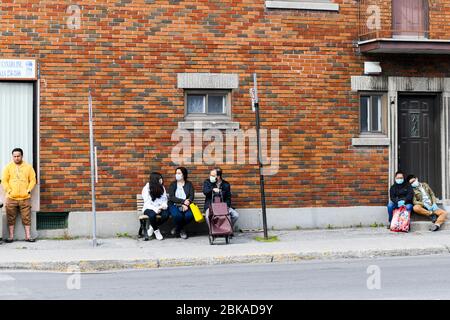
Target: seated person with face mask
(216, 185)
(425, 203)
(400, 194)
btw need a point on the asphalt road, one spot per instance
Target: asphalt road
(389, 278)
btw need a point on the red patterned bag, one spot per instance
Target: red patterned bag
(401, 220)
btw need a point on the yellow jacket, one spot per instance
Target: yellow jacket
(18, 181)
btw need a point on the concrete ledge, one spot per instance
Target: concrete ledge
(109, 223)
(312, 218)
(303, 5)
(112, 223)
(208, 124)
(207, 81)
(370, 141)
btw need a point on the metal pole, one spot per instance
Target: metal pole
(260, 162)
(92, 156)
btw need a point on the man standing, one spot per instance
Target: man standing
(18, 180)
(425, 203)
(216, 184)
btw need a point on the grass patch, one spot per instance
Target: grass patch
(64, 237)
(123, 235)
(270, 239)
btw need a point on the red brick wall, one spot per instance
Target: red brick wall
(129, 53)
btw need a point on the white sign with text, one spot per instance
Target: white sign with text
(17, 69)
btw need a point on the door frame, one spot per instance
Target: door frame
(437, 104)
(422, 86)
(393, 85)
(36, 194)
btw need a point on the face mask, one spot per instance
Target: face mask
(178, 177)
(415, 184)
(160, 181)
(399, 181)
(212, 179)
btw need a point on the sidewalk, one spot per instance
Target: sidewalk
(127, 253)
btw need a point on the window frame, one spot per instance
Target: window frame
(382, 117)
(208, 116)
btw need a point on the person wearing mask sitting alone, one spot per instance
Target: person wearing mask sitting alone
(401, 194)
(425, 203)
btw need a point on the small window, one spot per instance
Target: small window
(371, 114)
(208, 104)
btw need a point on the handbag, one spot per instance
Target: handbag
(197, 213)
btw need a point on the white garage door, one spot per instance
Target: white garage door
(16, 120)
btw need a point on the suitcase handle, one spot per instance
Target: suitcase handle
(216, 195)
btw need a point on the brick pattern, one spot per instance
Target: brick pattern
(129, 53)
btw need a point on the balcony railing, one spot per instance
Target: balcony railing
(402, 19)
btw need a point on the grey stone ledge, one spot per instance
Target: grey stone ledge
(370, 141)
(303, 5)
(208, 124)
(208, 81)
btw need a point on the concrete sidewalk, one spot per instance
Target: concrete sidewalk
(293, 246)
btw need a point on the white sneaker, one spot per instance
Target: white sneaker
(158, 235)
(150, 231)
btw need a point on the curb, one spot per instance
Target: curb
(115, 265)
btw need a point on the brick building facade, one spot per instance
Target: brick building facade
(309, 57)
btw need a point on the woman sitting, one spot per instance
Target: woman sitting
(181, 195)
(155, 206)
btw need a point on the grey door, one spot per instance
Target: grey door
(419, 139)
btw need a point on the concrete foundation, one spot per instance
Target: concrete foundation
(120, 223)
(125, 223)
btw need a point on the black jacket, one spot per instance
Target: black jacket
(225, 189)
(188, 189)
(401, 192)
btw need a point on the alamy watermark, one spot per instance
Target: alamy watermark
(374, 279)
(73, 21)
(226, 147)
(73, 282)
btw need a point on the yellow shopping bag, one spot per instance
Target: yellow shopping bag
(197, 213)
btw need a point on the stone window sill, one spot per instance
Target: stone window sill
(208, 124)
(369, 141)
(303, 5)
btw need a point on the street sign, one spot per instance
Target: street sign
(253, 95)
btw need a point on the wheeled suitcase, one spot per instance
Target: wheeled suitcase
(219, 220)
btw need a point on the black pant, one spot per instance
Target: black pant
(157, 219)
